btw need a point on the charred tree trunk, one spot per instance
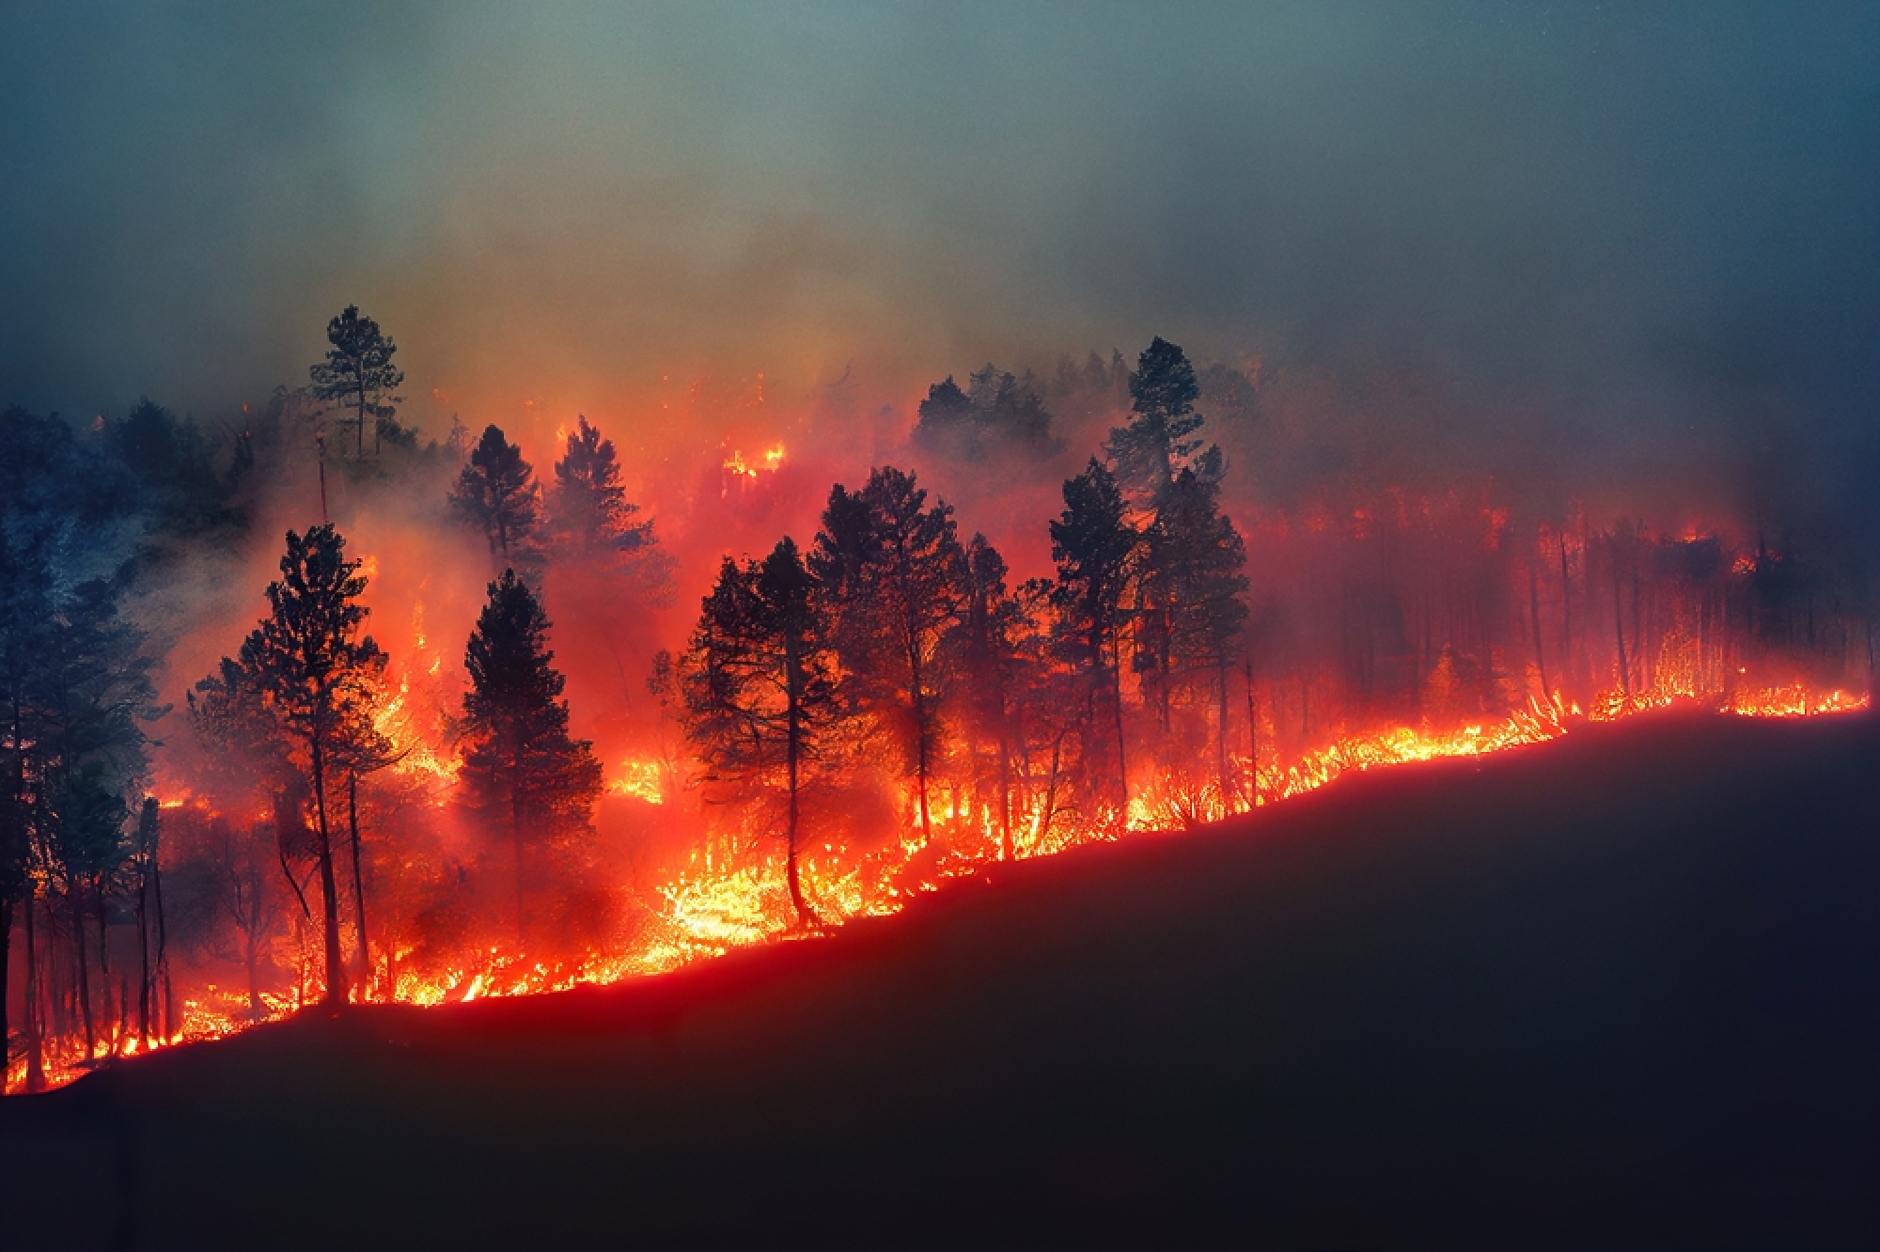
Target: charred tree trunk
(76, 899)
(792, 752)
(515, 832)
(1220, 732)
(1618, 628)
(918, 700)
(104, 957)
(364, 973)
(1122, 755)
(1566, 611)
(329, 886)
(35, 1029)
(1534, 615)
(1253, 742)
(143, 956)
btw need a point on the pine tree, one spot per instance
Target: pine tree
(1091, 541)
(1198, 558)
(497, 493)
(520, 768)
(756, 685)
(588, 510)
(894, 573)
(592, 521)
(316, 676)
(987, 645)
(1158, 441)
(358, 373)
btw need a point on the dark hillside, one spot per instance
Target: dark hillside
(1619, 990)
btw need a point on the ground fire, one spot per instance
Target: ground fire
(388, 787)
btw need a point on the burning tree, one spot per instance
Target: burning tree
(520, 767)
(312, 676)
(358, 373)
(1194, 614)
(757, 683)
(1092, 541)
(986, 654)
(893, 574)
(497, 493)
(590, 519)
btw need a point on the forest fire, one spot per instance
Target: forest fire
(845, 726)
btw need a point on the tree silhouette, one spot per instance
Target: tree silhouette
(591, 519)
(316, 677)
(1197, 558)
(358, 372)
(519, 765)
(1091, 541)
(756, 684)
(894, 572)
(1157, 442)
(1000, 414)
(497, 493)
(986, 647)
(588, 510)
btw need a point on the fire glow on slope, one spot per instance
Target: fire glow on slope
(717, 908)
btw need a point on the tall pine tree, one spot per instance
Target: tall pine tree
(317, 677)
(521, 769)
(894, 572)
(497, 493)
(757, 688)
(358, 373)
(1091, 541)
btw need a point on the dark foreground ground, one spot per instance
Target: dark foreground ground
(1620, 990)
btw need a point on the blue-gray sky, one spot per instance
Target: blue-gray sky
(1631, 225)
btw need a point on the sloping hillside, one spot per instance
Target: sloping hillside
(1619, 989)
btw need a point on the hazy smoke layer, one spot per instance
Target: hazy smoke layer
(1632, 239)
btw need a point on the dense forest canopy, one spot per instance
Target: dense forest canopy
(473, 740)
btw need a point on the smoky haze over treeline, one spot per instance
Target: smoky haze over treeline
(1572, 245)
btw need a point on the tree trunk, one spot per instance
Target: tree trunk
(1253, 741)
(515, 831)
(251, 945)
(1005, 792)
(792, 745)
(84, 974)
(1122, 755)
(329, 887)
(359, 885)
(1566, 612)
(104, 956)
(919, 701)
(1534, 615)
(1220, 732)
(1618, 628)
(143, 955)
(35, 1046)
(163, 954)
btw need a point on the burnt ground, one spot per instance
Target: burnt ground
(1619, 990)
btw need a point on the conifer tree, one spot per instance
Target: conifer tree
(358, 373)
(497, 493)
(1197, 557)
(1159, 439)
(1091, 542)
(316, 676)
(756, 685)
(588, 509)
(894, 573)
(987, 646)
(521, 769)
